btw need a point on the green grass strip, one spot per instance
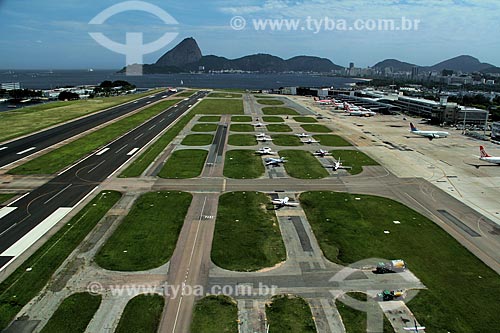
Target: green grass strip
(197, 140)
(74, 314)
(349, 230)
(147, 236)
(247, 237)
(243, 164)
(242, 140)
(219, 106)
(66, 155)
(279, 128)
(287, 140)
(270, 102)
(305, 119)
(30, 119)
(272, 119)
(5, 197)
(303, 165)
(215, 314)
(186, 163)
(332, 140)
(224, 95)
(21, 286)
(315, 128)
(241, 128)
(273, 111)
(289, 314)
(241, 119)
(142, 314)
(209, 119)
(204, 128)
(354, 159)
(187, 93)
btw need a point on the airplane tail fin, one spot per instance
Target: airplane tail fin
(483, 152)
(413, 128)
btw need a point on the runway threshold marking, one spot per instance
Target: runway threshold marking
(3, 148)
(132, 152)
(25, 151)
(102, 151)
(61, 191)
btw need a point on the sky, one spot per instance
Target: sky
(54, 34)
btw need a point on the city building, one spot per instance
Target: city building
(10, 86)
(495, 131)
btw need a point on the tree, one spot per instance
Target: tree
(68, 96)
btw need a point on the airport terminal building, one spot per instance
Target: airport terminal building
(495, 131)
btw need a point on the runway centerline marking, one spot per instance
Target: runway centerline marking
(152, 127)
(98, 165)
(137, 137)
(25, 151)
(61, 191)
(119, 150)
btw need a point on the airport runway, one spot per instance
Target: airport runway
(21, 148)
(27, 218)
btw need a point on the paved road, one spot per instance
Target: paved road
(67, 189)
(23, 147)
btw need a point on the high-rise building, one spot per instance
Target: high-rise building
(351, 65)
(414, 72)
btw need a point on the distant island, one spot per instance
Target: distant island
(187, 57)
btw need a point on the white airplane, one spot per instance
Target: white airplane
(414, 329)
(323, 101)
(302, 135)
(275, 161)
(310, 141)
(284, 202)
(356, 111)
(265, 151)
(428, 134)
(338, 166)
(487, 158)
(264, 139)
(321, 153)
(261, 135)
(259, 124)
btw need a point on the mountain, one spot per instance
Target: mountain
(396, 65)
(491, 70)
(187, 56)
(184, 53)
(463, 63)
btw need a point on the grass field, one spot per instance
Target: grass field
(289, 314)
(204, 128)
(215, 314)
(247, 236)
(186, 163)
(243, 164)
(355, 321)
(315, 128)
(74, 314)
(305, 119)
(147, 236)
(241, 128)
(140, 164)
(272, 119)
(270, 102)
(21, 286)
(241, 119)
(66, 155)
(242, 140)
(186, 93)
(34, 118)
(276, 110)
(209, 119)
(278, 128)
(455, 301)
(303, 165)
(5, 197)
(142, 314)
(224, 95)
(287, 140)
(332, 140)
(353, 158)
(219, 106)
(197, 140)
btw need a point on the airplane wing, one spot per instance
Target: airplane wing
(414, 329)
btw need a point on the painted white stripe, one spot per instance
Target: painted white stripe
(152, 127)
(25, 151)
(61, 191)
(133, 151)
(6, 211)
(119, 150)
(102, 151)
(85, 197)
(36, 233)
(22, 196)
(98, 165)
(3, 148)
(137, 137)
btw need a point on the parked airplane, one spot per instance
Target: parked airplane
(265, 151)
(321, 153)
(302, 135)
(323, 101)
(284, 202)
(259, 124)
(310, 140)
(414, 329)
(261, 135)
(275, 161)
(428, 134)
(264, 139)
(338, 166)
(487, 158)
(356, 111)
